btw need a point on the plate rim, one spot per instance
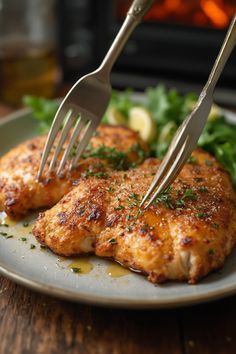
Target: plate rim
(15, 115)
(101, 300)
(116, 302)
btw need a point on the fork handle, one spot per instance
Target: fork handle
(134, 16)
(225, 51)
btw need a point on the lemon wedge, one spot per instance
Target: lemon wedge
(166, 132)
(140, 119)
(115, 117)
(215, 112)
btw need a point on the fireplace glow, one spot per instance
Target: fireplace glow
(215, 12)
(200, 13)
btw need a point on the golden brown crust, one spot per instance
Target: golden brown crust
(21, 192)
(184, 236)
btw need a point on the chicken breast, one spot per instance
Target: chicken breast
(187, 233)
(111, 147)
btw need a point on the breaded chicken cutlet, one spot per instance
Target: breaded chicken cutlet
(186, 234)
(111, 147)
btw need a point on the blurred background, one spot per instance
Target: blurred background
(46, 45)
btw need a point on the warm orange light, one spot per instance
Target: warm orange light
(202, 13)
(215, 13)
(172, 5)
(199, 18)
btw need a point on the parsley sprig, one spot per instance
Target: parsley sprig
(166, 199)
(116, 159)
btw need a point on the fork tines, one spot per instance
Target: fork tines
(75, 124)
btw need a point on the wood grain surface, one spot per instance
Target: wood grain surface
(34, 323)
(31, 323)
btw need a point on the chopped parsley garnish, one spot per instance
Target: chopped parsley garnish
(201, 215)
(216, 226)
(208, 163)
(139, 212)
(95, 174)
(211, 251)
(132, 204)
(25, 224)
(133, 200)
(189, 194)
(128, 217)
(165, 198)
(134, 196)
(109, 189)
(116, 159)
(180, 203)
(203, 189)
(32, 247)
(23, 239)
(119, 207)
(192, 160)
(76, 270)
(112, 241)
(5, 234)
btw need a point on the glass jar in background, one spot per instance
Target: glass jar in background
(28, 59)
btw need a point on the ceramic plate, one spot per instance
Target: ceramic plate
(25, 262)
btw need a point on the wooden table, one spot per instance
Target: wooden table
(32, 323)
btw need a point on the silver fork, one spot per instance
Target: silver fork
(186, 137)
(86, 102)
